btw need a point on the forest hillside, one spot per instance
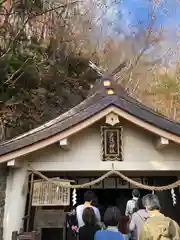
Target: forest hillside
(45, 53)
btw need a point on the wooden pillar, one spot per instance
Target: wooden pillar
(15, 202)
(165, 198)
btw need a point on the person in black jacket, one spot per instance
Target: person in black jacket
(71, 225)
(88, 231)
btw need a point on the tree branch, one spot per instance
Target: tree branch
(16, 72)
(133, 63)
(30, 18)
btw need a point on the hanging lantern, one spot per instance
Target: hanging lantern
(74, 197)
(173, 197)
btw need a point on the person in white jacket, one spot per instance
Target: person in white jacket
(131, 204)
(88, 199)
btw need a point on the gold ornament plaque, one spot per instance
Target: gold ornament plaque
(111, 138)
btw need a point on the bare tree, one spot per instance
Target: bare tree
(55, 39)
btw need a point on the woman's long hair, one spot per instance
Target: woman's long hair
(139, 205)
(89, 216)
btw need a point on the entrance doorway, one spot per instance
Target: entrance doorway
(109, 197)
(52, 233)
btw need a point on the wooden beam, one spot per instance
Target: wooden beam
(13, 163)
(161, 143)
(65, 144)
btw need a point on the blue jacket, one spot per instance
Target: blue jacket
(108, 235)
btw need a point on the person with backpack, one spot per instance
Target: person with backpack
(131, 204)
(139, 217)
(157, 226)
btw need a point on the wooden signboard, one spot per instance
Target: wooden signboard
(111, 143)
(49, 194)
(110, 183)
(122, 184)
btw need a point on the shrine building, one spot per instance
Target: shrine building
(80, 145)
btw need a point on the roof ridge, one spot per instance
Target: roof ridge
(131, 99)
(109, 92)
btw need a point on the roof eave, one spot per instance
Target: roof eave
(84, 124)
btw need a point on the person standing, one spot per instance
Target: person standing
(71, 225)
(88, 199)
(88, 231)
(139, 217)
(157, 226)
(111, 221)
(131, 204)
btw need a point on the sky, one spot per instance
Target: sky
(125, 18)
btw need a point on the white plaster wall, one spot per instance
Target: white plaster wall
(139, 153)
(16, 193)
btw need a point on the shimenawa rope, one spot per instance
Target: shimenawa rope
(106, 175)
